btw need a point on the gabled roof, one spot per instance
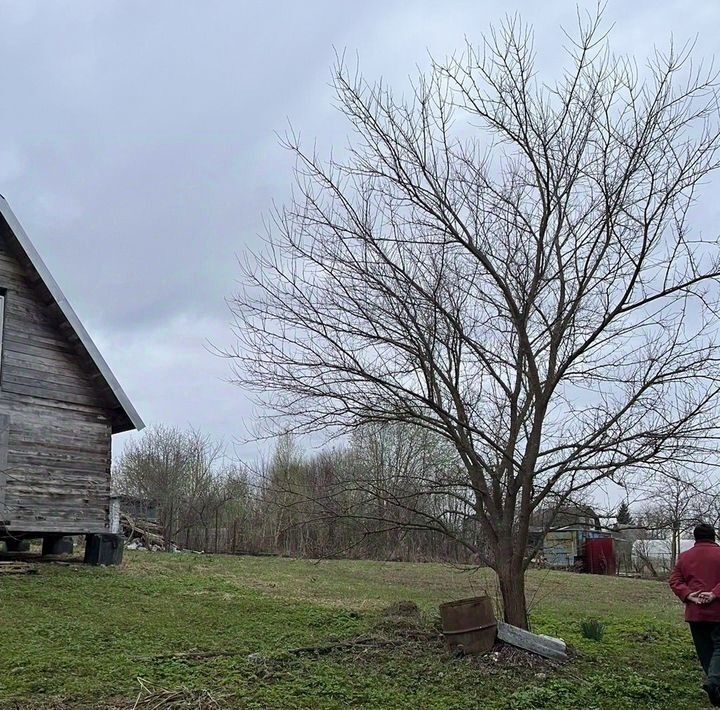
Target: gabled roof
(124, 416)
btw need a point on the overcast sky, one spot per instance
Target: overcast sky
(138, 150)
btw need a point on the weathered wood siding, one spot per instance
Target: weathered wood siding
(58, 456)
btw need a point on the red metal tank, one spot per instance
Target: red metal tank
(600, 555)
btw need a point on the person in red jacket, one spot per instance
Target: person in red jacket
(696, 581)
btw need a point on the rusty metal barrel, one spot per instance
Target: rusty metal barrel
(469, 623)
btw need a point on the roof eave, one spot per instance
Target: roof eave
(125, 416)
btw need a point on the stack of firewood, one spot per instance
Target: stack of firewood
(145, 532)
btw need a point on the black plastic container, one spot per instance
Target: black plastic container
(15, 545)
(53, 545)
(104, 549)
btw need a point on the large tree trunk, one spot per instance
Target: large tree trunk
(512, 588)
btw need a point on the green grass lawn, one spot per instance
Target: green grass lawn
(75, 636)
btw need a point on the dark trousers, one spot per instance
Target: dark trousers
(706, 637)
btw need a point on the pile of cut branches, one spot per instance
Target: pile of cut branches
(146, 533)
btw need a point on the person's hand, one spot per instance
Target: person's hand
(707, 597)
(696, 597)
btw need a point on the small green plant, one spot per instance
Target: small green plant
(592, 629)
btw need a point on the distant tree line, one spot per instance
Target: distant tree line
(387, 492)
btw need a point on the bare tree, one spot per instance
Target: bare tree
(381, 495)
(178, 472)
(154, 468)
(404, 486)
(506, 263)
(678, 499)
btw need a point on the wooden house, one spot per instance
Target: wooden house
(59, 405)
